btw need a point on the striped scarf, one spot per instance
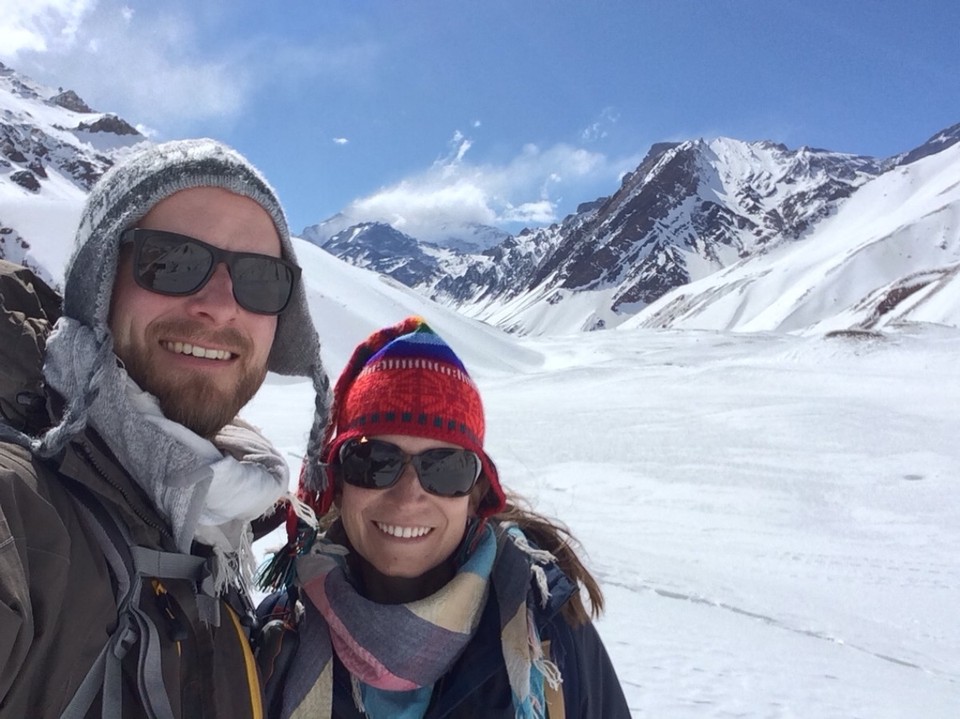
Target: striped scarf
(396, 653)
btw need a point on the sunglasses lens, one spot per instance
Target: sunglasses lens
(448, 472)
(370, 464)
(261, 284)
(172, 265)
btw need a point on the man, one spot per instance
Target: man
(125, 529)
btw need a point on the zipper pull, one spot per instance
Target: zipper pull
(176, 620)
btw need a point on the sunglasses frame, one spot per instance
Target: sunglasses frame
(412, 459)
(139, 236)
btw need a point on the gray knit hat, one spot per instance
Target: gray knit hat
(129, 190)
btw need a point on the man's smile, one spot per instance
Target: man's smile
(196, 350)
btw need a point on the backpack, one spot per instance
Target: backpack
(28, 310)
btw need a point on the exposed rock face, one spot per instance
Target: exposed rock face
(940, 141)
(71, 101)
(26, 179)
(379, 247)
(71, 143)
(109, 124)
(30, 149)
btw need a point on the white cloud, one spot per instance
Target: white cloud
(538, 213)
(599, 128)
(524, 191)
(340, 141)
(40, 25)
(141, 64)
(146, 130)
(165, 65)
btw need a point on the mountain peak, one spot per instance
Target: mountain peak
(690, 210)
(71, 101)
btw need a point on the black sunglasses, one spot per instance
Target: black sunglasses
(172, 264)
(374, 464)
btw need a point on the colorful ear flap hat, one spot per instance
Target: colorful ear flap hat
(406, 380)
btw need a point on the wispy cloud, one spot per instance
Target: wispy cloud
(340, 141)
(40, 25)
(105, 48)
(156, 64)
(526, 190)
(599, 128)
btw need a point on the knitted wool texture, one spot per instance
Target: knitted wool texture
(406, 380)
(129, 190)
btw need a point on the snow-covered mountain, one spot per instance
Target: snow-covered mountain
(378, 247)
(53, 147)
(690, 210)
(436, 270)
(706, 234)
(467, 237)
(889, 255)
(741, 498)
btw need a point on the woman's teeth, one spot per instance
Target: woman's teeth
(403, 532)
(197, 351)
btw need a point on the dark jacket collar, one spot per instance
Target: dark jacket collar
(88, 461)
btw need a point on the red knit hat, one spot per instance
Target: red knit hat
(406, 380)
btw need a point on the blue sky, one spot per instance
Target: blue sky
(506, 112)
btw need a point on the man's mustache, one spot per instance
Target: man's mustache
(228, 338)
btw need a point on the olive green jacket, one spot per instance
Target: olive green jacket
(57, 598)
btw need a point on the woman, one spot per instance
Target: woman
(430, 594)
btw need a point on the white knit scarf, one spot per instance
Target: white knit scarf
(207, 491)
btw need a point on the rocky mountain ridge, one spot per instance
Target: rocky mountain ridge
(690, 209)
(698, 228)
(53, 146)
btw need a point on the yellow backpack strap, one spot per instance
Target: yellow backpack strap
(253, 677)
(553, 695)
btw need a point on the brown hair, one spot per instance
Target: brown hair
(556, 538)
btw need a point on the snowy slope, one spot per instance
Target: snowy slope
(774, 519)
(52, 149)
(712, 212)
(890, 255)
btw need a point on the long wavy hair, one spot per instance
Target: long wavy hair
(555, 537)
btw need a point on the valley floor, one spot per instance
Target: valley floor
(775, 520)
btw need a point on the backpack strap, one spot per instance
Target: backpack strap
(129, 566)
(553, 693)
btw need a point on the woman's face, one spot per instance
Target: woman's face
(403, 531)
